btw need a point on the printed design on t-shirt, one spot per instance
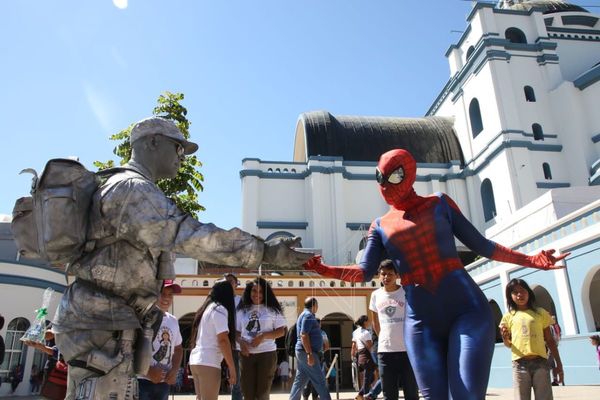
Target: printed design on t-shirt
(390, 311)
(253, 325)
(525, 332)
(389, 307)
(165, 347)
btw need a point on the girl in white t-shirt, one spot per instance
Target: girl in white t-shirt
(362, 342)
(260, 321)
(214, 333)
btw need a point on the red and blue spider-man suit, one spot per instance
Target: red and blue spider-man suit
(449, 329)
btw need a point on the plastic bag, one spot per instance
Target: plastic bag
(37, 330)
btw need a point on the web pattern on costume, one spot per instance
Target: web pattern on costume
(421, 243)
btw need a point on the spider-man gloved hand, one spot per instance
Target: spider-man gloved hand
(348, 273)
(545, 259)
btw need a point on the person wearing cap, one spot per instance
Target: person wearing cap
(167, 350)
(108, 316)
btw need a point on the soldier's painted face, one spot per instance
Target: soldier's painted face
(171, 154)
(396, 174)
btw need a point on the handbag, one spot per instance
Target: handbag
(55, 387)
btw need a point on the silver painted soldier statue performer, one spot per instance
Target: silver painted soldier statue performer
(107, 317)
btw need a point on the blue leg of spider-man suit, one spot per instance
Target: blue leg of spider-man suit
(449, 336)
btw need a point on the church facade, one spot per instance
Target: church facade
(513, 137)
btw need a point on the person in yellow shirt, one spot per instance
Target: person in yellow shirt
(526, 331)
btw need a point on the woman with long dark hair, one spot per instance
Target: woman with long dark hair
(260, 321)
(213, 331)
(526, 332)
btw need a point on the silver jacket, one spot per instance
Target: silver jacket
(132, 214)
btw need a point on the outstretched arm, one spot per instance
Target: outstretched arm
(473, 239)
(348, 273)
(362, 272)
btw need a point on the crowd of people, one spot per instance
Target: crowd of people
(234, 341)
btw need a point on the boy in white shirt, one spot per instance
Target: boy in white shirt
(167, 350)
(387, 311)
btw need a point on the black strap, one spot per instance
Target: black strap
(84, 365)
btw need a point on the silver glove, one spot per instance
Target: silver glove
(280, 253)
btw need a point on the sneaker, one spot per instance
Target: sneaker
(554, 383)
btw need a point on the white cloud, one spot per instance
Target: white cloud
(99, 105)
(121, 4)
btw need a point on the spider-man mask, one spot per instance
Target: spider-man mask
(399, 195)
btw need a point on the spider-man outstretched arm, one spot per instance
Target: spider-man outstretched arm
(361, 272)
(462, 229)
(470, 237)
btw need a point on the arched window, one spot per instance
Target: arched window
(543, 299)
(529, 94)
(515, 35)
(14, 354)
(547, 171)
(594, 299)
(487, 200)
(475, 117)
(538, 132)
(470, 51)
(301, 283)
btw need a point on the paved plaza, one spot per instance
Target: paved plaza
(560, 393)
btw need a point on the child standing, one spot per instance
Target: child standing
(388, 311)
(526, 331)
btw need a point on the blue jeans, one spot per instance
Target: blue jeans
(394, 368)
(375, 390)
(153, 391)
(306, 373)
(236, 390)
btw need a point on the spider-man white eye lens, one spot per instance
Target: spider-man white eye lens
(396, 176)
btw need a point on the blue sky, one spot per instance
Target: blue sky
(74, 72)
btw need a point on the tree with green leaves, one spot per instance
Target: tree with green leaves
(184, 188)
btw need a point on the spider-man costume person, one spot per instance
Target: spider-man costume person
(449, 329)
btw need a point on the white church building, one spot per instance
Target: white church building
(513, 137)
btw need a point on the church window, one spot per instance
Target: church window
(487, 200)
(529, 94)
(470, 51)
(547, 171)
(475, 117)
(14, 354)
(515, 35)
(538, 132)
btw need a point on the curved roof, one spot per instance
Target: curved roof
(358, 138)
(549, 6)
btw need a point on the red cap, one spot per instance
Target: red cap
(170, 283)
